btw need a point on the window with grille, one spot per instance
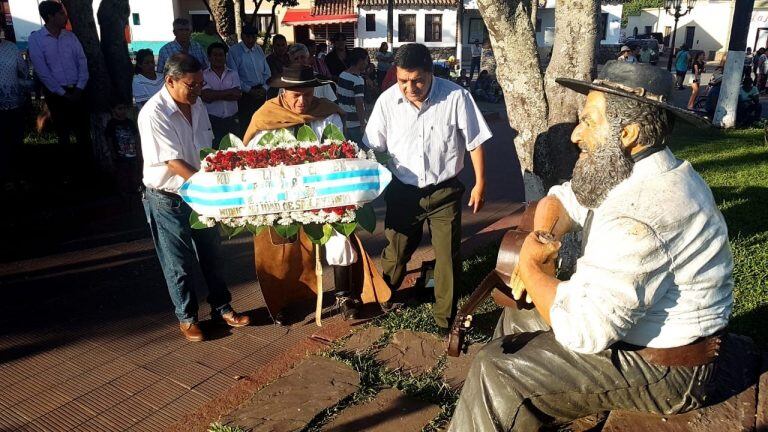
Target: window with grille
(136, 19)
(370, 22)
(406, 28)
(433, 28)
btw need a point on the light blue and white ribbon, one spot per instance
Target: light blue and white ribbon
(311, 186)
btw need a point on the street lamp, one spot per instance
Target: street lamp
(674, 7)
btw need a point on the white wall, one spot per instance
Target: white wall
(712, 20)
(612, 33)
(25, 17)
(374, 39)
(156, 19)
(759, 21)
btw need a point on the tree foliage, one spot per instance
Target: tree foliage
(634, 7)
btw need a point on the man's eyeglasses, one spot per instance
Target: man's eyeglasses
(195, 85)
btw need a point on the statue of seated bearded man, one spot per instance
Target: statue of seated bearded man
(640, 324)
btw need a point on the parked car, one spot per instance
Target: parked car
(651, 43)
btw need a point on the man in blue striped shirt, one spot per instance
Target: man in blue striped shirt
(182, 30)
(351, 91)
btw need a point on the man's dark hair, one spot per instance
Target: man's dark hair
(140, 56)
(655, 123)
(279, 37)
(338, 36)
(310, 43)
(218, 45)
(48, 8)
(180, 64)
(414, 56)
(355, 55)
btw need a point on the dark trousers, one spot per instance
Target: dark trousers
(190, 258)
(246, 106)
(68, 117)
(12, 132)
(408, 207)
(222, 126)
(474, 65)
(680, 78)
(524, 379)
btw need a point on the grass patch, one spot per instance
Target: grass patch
(218, 427)
(735, 165)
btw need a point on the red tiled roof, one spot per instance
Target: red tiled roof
(304, 17)
(333, 7)
(411, 3)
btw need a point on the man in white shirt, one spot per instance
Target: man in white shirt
(427, 124)
(174, 127)
(221, 93)
(477, 53)
(250, 63)
(639, 325)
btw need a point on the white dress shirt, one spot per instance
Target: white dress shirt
(317, 126)
(167, 135)
(427, 145)
(228, 80)
(657, 267)
(144, 88)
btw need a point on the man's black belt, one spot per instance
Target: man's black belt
(166, 193)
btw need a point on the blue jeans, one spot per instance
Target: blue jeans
(190, 258)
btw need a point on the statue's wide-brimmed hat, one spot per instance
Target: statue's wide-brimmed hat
(297, 77)
(641, 82)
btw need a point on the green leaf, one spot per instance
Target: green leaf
(332, 132)
(383, 157)
(255, 230)
(287, 231)
(318, 234)
(345, 229)
(230, 140)
(237, 231)
(194, 221)
(366, 217)
(205, 151)
(306, 134)
(267, 140)
(226, 230)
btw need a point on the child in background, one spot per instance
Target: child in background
(351, 93)
(123, 137)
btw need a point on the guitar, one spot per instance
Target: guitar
(503, 283)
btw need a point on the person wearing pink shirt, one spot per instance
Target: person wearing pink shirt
(221, 93)
(60, 64)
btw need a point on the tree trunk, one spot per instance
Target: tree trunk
(223, 14)
(84, 26)
(239, 6)
(113, 18)
(518, 73)
(541, 112)
(573, 56)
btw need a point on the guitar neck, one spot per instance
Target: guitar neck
(481, 293)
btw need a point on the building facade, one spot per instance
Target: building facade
(150, 22)
(707, 27)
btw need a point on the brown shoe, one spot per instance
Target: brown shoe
(234, 319)
(192, 332)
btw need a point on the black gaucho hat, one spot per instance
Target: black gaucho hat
(297, 77)
(641, 82)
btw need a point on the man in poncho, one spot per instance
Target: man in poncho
(286, 267)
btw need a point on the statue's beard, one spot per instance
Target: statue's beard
(596, 173)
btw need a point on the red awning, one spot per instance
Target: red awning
(303, 17)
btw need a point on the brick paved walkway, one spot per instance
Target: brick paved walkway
(88, 340)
